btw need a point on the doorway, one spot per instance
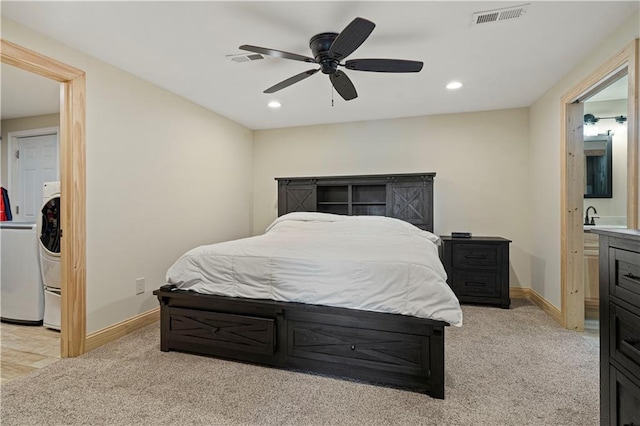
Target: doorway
(73, 187)
(605, 199)
(573, 174)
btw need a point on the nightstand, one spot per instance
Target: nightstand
(478, 269)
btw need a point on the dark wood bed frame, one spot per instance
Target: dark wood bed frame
(382, 348)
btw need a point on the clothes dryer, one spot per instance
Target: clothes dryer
(49, 247)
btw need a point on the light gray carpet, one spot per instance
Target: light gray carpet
(503, 367)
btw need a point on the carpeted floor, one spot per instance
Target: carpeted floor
(503, 367)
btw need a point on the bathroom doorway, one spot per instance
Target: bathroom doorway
(573, 169)
(605, 199)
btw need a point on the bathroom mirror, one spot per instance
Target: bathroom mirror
(598, 166)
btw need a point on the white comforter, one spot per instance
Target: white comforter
(370, 263)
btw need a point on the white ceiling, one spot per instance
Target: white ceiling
(183, 47)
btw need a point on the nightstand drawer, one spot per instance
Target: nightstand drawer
(475, 256)
(624, 328)
(476, 283)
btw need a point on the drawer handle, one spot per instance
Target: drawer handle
(475, 283)
(631, 276)
(475, 256)
(353, 347)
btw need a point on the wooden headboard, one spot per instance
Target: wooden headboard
(403, 196)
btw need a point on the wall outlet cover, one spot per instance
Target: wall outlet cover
(140, 285)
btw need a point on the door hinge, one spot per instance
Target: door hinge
(17, 154)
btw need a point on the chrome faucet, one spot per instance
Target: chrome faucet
(586, 216)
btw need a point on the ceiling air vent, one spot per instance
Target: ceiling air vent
(497, 15)
(245, 57)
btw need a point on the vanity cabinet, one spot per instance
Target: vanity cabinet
(591, 278)
(403, 196)
(619, 326)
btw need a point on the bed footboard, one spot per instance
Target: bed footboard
(376, 347)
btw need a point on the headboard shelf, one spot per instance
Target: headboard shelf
(406, 196)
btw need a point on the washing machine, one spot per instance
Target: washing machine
(49, 249)
(21, 289)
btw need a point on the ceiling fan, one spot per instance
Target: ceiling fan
(329, 49)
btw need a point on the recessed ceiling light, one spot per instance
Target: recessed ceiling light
(274, 104)
(454, 85)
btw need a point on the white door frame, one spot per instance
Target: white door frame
(12, 163)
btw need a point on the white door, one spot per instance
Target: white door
(37, 162)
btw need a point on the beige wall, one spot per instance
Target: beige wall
(17, 124)
(163, 175)
(544, 141)
(480, 159)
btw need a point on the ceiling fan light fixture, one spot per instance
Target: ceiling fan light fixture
(329, 49)
(274, 104)
(454, 85)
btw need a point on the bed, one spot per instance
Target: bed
(372, 307)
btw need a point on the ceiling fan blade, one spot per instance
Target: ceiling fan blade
(343, 85)
(277, 53)
(291, 80)
(383, 65)
(351, 38)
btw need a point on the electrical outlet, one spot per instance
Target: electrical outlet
(140, 285)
